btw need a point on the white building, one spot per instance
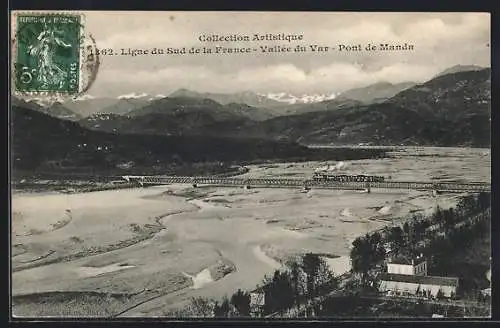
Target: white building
(416, 266)
(415, 285)
(405, 276)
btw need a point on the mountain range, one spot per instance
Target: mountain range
(451, 109)
(288, 98)
(250, 98)
(426, 114)
(273, 104)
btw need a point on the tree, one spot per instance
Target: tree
(278, 293)
(437, 216)
(201, 307)
(310, 265)
(377, 247)
(467, 205)
(484, 200)
(406, 228)
(223, 309)
(241, 301)
(396, 239)
(360, 258)
(297, 277)
(325, 280)
(363, 257)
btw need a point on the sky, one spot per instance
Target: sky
(440, 40)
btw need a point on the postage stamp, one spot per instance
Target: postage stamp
(51, 54)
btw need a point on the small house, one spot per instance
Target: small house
(409, 276)
(403, 265)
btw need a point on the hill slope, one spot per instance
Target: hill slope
(39, 140)
(460, 68)
(450, 110)
(178, 116)
(56, 109)
(248, 98)
(375, 92)
(86, 107)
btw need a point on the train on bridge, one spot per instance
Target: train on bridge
(317, 176)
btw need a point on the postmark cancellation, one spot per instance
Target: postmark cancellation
(51, 54)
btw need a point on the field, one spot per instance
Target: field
(146, 252)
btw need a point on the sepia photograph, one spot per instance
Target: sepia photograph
(263, 165)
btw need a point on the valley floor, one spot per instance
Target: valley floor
(147, 252)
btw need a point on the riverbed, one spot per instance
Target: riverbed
(177, 242)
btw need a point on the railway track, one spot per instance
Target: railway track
(307, 183)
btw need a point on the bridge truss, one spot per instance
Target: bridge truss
(308, 184)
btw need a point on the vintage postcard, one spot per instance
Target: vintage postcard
(312, 165)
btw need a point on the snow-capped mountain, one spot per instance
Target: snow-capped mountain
(134, 95)
(303, 99)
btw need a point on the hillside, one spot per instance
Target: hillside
(460, 68)
(326, 105)
(86, 107)
(56, 109)
(450, 110)
(124, 106)
(41, 142)
(449, 96)
(377, 92)
(179, 116)
(248, 98)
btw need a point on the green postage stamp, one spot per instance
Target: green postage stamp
(49, 54)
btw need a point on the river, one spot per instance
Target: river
(205, 227)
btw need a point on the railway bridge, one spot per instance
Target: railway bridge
(278, 182)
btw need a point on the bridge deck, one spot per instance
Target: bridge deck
(296, 182)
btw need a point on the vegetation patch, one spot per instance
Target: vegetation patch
(69, 304)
